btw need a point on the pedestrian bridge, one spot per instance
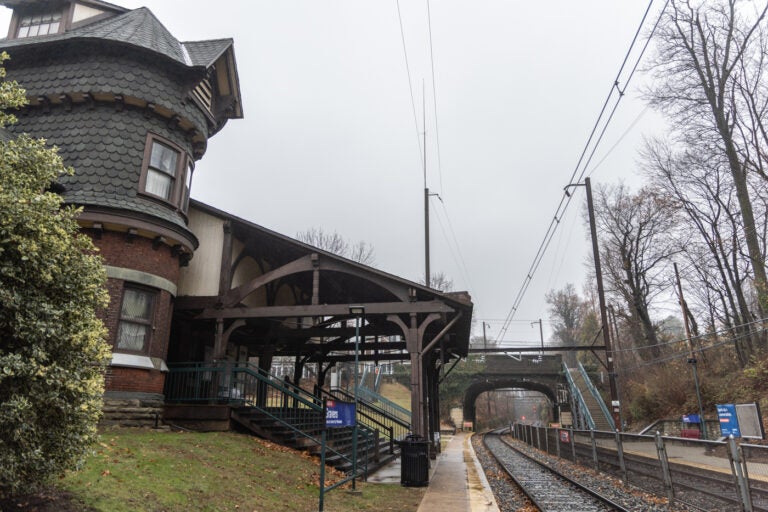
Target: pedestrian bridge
(531, 372)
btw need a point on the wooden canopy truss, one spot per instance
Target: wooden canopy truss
(294, 301)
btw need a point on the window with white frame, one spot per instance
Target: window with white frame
(39, 24)
(134, 331)
(166, 172)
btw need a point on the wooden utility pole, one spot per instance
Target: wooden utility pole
(426, 191)
(691, 356)
(615, 403)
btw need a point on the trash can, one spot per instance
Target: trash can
(414, 457)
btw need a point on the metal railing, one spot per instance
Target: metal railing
(581, 405)
(388, 406)
(299, 412)
(392, 427)
(596, 395)
(736, 475)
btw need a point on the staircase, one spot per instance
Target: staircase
(274, 409)
(588, 402)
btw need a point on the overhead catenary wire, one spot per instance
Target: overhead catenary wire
(453, 244)
(581, 166)
(410, 82)
(434, 99)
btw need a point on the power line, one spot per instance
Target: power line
(410, 82)
(434, 98)
(453, 244)
(580, 170)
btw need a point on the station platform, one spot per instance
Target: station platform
(456, 480)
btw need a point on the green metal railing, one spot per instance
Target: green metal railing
(583, 410)
(388, 406)
(299, 411)
(596, 394)
(392, 427)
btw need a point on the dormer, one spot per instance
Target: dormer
(36, 18)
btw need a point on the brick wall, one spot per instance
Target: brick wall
(134, 380)
(138, 255)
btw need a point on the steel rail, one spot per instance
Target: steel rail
(536, 496)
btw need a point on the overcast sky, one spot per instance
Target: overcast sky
(329, 138)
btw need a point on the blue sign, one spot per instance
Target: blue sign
(339, 414)
(691, 418)
(729, 423)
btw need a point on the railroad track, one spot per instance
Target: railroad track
(547, 489)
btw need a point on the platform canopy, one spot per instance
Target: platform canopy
(274, 296)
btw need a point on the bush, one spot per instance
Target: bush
(53, 352)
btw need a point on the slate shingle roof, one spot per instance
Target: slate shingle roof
(104, 70)
(106, 151)
(139, 28)
(205, 53)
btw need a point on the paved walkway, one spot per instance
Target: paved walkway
(456, 481)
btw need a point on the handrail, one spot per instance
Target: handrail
(371, 396)
(596, 395)
(576, 392)
(373, 415)
(364, 398)
(248, 385)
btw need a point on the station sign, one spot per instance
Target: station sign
(339, 414)
(691, 418)
(729, 422)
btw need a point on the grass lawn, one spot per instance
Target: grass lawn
(397, 393)
(144, 470)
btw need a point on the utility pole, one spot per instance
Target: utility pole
(485, 340)
(427, 275)
(691, 356)
(615, 403)
(541, 335)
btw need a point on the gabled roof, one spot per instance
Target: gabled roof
(358, 284)
(205, 53)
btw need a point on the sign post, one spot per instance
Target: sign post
(729, 422)
(338, 414)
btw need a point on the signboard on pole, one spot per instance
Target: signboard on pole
(750, 421)
(729, 423)
(339, 414)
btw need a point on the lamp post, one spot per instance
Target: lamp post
(358, 312)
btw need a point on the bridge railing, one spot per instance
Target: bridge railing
(596, 394)
(664, 465)
(581, 406)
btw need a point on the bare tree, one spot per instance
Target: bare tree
(698, 182)
(710, 80)
(440, 282)
(566, 309)
(635, 250)
(360, 252)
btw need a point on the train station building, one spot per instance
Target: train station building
(131, 109)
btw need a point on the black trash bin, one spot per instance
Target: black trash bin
(414, 457)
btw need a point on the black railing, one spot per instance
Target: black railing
(392, 428)
(301, 413)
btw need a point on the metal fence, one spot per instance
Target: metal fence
(684, 470)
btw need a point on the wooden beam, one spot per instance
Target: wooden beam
(376, 308)
(236, 295)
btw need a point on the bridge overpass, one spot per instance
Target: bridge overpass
(542, 373)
